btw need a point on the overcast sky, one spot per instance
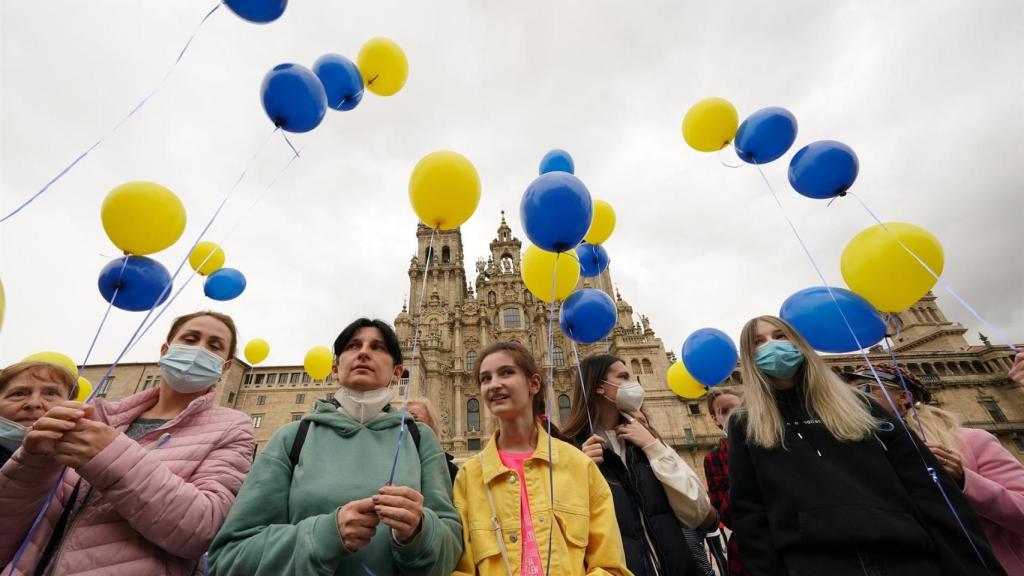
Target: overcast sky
(929, 94)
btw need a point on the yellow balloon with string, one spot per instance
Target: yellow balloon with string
(710, 124)
(539, 272)
(256, 351)
(318, 362)
(444, 189)
(682, 383)
(142, 217)
(602, 224)
(383, 65)
(877, 265)
(206, 258)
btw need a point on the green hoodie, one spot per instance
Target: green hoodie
(284, 521)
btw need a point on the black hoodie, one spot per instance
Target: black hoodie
(820, 504)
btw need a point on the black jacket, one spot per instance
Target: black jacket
(821, 506)
(640, 499)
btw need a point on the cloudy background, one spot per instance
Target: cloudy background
(929, 94)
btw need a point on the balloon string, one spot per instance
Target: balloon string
(35, 523)
(245, 388)
(415, 350)
(117, 126)
(999, 334)
(549, 402)
(583, 388)
(723, 162)
(871, 366)
(903, 382)
(117, 288)
(229, 193)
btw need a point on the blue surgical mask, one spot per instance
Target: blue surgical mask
(11, 434)
(190, 369)
(779, 358)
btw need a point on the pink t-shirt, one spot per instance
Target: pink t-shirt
(530, 563)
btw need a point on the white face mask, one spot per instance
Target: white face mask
(363, 406)
(630, 396)
(190, 369)
(11, 434)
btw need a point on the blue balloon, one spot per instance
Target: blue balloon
(139, 284)
(765, 135)
(293, 98)
(556, 211)
(557, 161)
(813, 314)
(587, 315)
(224, 284)
(343, 83)
(593, 259)
(709, 356)
(258, 11)
(823, 169)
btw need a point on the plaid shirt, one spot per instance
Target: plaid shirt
(716, 470)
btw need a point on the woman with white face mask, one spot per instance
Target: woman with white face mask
(824, 481)
(149, 478)
(656, 494)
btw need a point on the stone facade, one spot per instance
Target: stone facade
(458, 318)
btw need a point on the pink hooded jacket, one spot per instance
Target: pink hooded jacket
(994, 486)
(154, 507)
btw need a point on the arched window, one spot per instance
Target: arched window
(917, 315)
(446, 255)
(965, 367)
(648, 369)
(978, 367)
(557, 358)
(470, 360)
(473, 415)
(512, 321)
(928, 369)
(429, 253)
(563, 409)
(634, 367)
(492, 298)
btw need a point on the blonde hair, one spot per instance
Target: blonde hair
(431, 413)
(940, 427)
(41, 371)
(842, 409)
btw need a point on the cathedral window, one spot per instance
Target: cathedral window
(470, 360)
(446, 255)
(473, 415)
(993, 410)
(564, 405)
(557, 358)
(512, 320)
(648, 369)
(634, 367)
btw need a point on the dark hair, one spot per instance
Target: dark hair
(390, 338)
(523, 359)
(224, 318)
(593, 371)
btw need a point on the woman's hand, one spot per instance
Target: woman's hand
(43, 436)
(401, 509)
(83, 443)
(594, 448)
(950, 461)
(636, 433)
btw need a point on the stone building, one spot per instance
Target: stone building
(459, 317)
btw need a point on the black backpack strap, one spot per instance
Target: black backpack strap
(300, 439)
(414, 431)
(58, 531)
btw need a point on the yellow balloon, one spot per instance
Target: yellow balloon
(538, 266)
(256, 351)
(682, 383)
(602, 224)
(142, 217)
(444, 189)
(84, 389)
(206, 258)
(318, 362)
(710, 124)
(877, 267)
(57, 358)
(383, 66)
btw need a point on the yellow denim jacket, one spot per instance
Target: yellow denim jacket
(587, 539)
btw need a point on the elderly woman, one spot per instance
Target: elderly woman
(27, 391)
(423, 410)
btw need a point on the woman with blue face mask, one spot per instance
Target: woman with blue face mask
(824, 481)
(149, 478)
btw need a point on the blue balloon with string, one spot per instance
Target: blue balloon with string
(816, 316)
(556, 211)
(593, 259)
(587, 315)
(258, 11)
(343, 83)
(293, 98)
(557, 160)
(823, 169)
(765, 135)
(135, 283)
(709, 356)
(224, 284)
